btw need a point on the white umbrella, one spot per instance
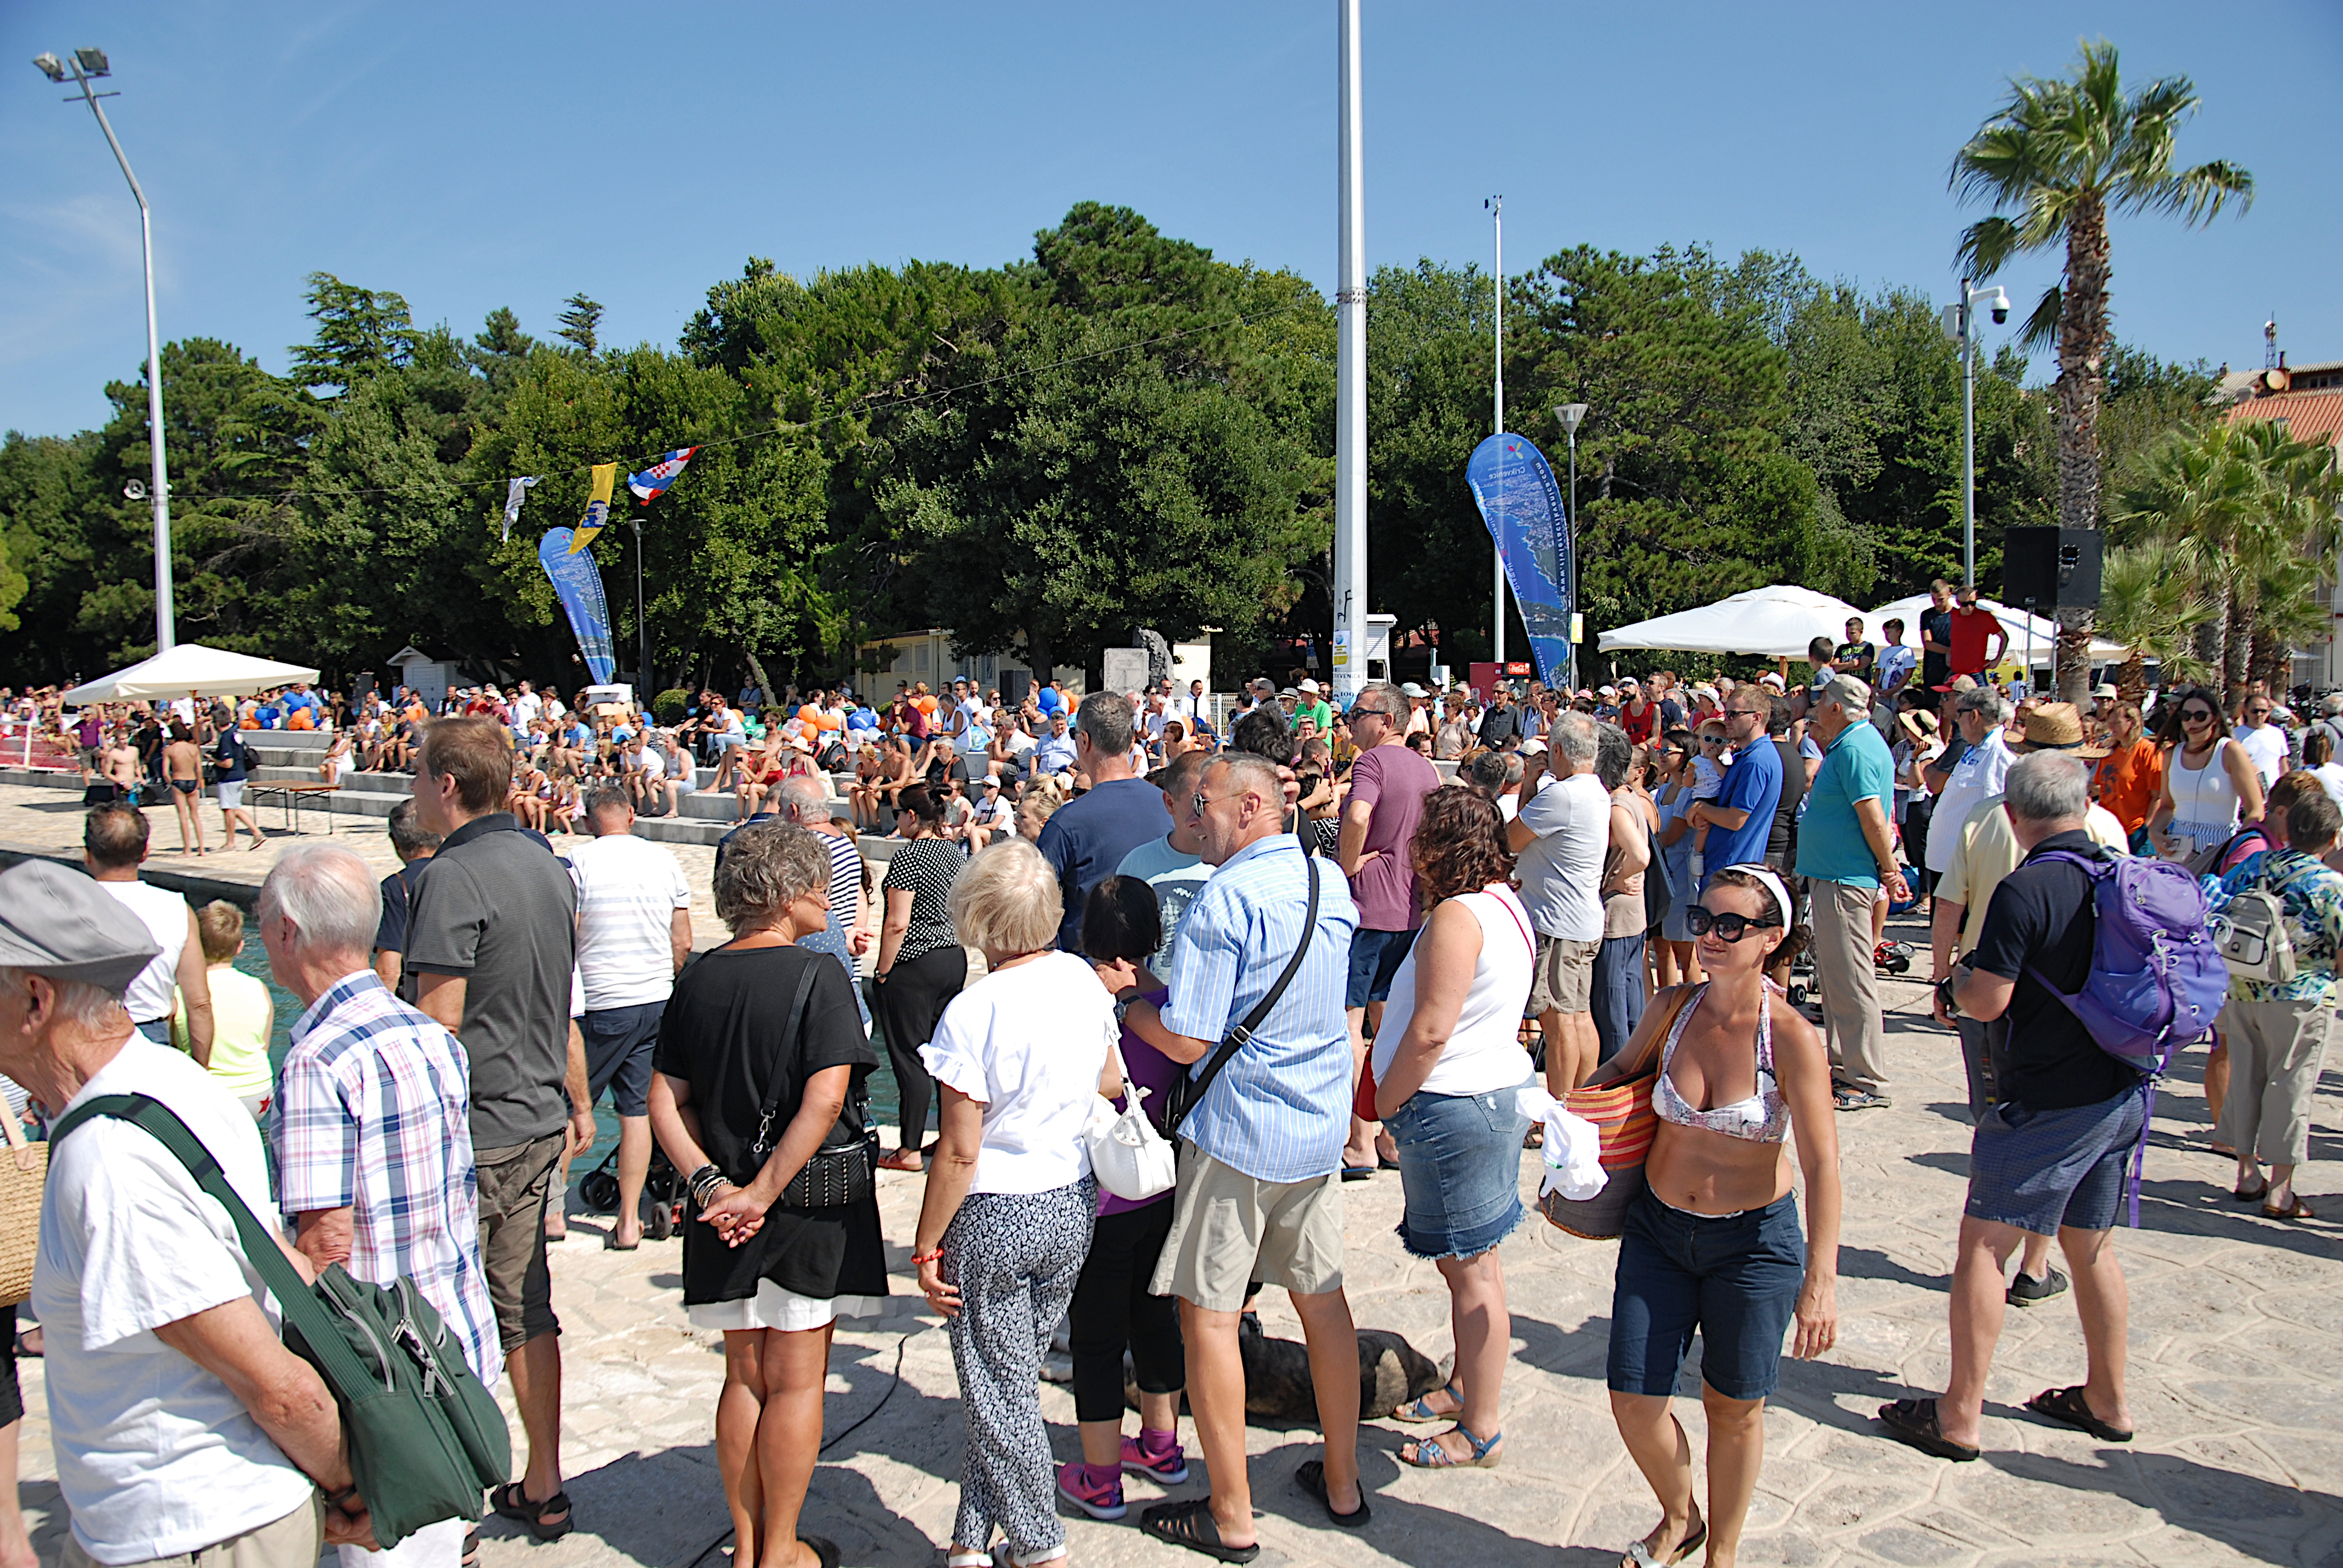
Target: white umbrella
(1776, 622)
(191, 669)
(2021, 627)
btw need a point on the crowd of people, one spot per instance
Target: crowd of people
(1284, 933)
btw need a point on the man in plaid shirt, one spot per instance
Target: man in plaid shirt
(371, 1123)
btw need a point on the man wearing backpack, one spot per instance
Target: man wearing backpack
(2290, 905)
(2049, 1158)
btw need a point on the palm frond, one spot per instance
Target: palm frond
(2041, 328)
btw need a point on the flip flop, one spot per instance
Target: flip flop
(511, 1502)
(2241, 1195)
(1310, 1476)
(1913, 1421)
(825, 1552)
(2299, 1210)
(1357, 1173)
(2068, 1407)
(1640, 1555)
(1190, 1524)
(1430, 1455)
(1419, 1410)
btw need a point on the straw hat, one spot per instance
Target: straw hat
(2056, 727)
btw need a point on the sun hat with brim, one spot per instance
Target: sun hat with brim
(1918, 723)
(2055, 727)
(59, 923)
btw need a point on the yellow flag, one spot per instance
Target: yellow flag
(597, 507)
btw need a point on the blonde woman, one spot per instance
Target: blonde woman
(1021, 1057)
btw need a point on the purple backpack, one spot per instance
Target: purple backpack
(2157, 977)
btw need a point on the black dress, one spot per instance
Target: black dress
(727, 1033)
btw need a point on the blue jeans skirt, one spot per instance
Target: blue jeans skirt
(1736, 1279)
(1460, 1171)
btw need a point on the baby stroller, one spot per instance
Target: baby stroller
(663, 1194)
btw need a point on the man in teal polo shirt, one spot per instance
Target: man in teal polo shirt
(1846, 850)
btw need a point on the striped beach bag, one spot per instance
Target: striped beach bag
(1621, 1110)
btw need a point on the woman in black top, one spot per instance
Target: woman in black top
(921, 965)
(744, 1035)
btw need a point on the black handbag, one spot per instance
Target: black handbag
(1186, 1091)
(838, 1174)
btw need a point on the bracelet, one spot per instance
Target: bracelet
(934, 1257)
(335, 1499)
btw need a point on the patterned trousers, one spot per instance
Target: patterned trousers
(1015, 1257)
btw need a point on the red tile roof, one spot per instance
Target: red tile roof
(2309, 415)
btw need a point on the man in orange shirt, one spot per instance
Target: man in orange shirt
(2128, 779)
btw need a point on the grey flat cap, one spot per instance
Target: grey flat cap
(57, 921)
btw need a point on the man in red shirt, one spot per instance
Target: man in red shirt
(1639, 716)
(1973, 628)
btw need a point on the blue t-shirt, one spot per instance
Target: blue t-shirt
(1753, 784)
(1087, 837)
(1831, 846)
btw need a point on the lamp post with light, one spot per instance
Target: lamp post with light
(85, 66)
(1960, 325)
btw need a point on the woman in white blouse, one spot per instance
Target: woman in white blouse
(1020, 1056)
(1447, 1062)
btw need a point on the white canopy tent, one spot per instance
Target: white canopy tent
(191, 670)
(1775, 622)
(2020, 625)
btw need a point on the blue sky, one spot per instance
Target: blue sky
(506, 154)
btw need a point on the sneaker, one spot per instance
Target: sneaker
(2026, 1290)
(1097, 1493)
(1169, 1466)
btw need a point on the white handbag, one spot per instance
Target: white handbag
(1128, 1156)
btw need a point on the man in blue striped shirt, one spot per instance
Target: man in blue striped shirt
(1260, 1198)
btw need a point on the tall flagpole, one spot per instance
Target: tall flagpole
(1497, 596)
(1348, 588)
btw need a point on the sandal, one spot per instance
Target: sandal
(512, 1503)
(899, 1160)
(1190, 1524)
(1310, 1476)
(2297, 1210)
(1419, 1410)
(471, 1558)
(825, 1552)
(2256, 1196)
(1640, 1554)
(1428, 1453)
(1913, 1421)
(2068, 1407)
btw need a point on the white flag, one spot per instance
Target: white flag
(516, 492)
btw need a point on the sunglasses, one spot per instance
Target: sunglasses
(2195, 716)
(1700, 921)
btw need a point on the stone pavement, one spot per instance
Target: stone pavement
(2235, 1329)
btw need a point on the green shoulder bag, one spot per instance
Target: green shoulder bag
(426, 1438)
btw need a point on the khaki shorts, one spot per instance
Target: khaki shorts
(1564, 981)
(292, 1542)
(1230, 1231)
(515, 1185)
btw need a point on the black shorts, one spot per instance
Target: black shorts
(619, 1045)
(12, 1393)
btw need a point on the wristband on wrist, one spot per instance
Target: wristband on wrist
(335, 1499)
(934, 1257)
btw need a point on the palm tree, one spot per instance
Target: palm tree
(2052, 162)
(2148, 602)
(2193, 496)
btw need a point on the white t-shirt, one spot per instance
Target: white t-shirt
(628, 890)
(165, 915)
(2266, 744)
(1981, 771)
(154, 1455)
(1176, 878)
(2330, 778)
(649, 763)
(1028, 1043)
(1484, 1054)
(1563, 866)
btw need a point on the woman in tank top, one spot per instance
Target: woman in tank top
(1713, 1242)
(1447, 1061)
(2210, 785)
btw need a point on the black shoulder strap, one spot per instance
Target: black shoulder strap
(296, 1298)
(795, 1023)
(1240, 1035)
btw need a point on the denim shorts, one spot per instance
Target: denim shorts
(619, 1041)
(1737, 1280)
(1460, 1171)
(2044, 1169)
(1376, 958)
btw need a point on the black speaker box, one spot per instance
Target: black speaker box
(2045, 568)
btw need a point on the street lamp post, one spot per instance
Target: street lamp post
(1960, 325)
(642, 624)
(85, 66)
(1570, 413)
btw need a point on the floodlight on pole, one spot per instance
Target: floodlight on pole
(1570, 413)
(1960, 325)
(87, 66)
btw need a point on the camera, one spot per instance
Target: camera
(2001, 313)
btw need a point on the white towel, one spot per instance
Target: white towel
(1574, 1146)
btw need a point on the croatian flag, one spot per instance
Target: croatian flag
(655, 480)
